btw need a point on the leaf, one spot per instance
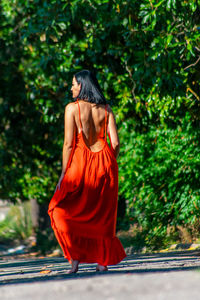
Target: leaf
(62, 25)
(43, 37)
(45, 271)
(54, 38)
(169, 39)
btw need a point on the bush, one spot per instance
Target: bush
(159, 174)
(17, 224)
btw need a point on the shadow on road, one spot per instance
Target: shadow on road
(18, 270)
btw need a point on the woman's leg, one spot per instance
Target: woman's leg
(74, 268)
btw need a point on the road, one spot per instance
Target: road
(174, 275)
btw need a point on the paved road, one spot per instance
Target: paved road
(174, 275)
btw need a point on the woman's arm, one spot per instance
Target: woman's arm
(69, 127)
(112, 131)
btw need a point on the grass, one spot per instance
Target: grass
(18, 224)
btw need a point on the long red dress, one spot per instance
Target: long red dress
(83, 211)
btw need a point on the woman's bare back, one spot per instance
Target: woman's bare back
(93, 124)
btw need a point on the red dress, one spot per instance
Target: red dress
(83, 212)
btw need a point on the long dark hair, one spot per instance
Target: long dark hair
(90, 89)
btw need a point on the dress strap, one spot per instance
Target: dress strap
(106, 113)
(79, 112)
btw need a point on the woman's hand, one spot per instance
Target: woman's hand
(60, 181)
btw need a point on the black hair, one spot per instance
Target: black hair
(90, 89)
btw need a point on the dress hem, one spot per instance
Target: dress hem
(104, 251)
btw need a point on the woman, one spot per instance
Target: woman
(83, 209)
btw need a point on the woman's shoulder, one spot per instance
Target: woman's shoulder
(70, 107)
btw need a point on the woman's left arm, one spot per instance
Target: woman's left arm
(69, 127)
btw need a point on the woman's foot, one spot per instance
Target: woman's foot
(74, 268)
(101, 268)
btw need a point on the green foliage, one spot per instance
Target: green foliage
(17, 224)
(159, 172)
(147, 57)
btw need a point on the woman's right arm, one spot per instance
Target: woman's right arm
(112, 131)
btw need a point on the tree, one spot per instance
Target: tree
(147, 57)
